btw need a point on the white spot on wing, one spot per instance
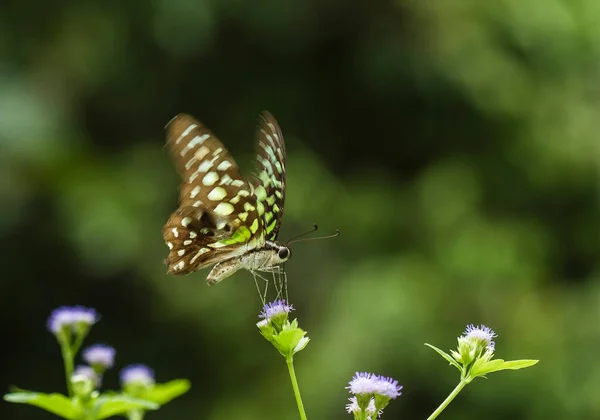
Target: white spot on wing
(223, 166)
(225, 180)
(201, 153)
(205, 165)
(200, 252)
(218, 193)
(181, 252)
(237, 183)
(210, 178)
(193, 143)
(185, 132)
(224, 209)
(186, 221)
(195, 191)
(175, 232)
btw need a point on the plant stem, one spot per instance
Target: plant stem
(448, 400)
(67, 356)
(290, 365)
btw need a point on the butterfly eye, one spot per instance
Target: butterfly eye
(284, 253)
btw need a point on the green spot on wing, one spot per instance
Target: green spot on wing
(240, 236)
(271, 227)
(268, 217)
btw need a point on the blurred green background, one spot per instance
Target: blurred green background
(454, 144)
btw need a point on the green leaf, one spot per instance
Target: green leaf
(519, 364)
(111, 405)
(57, 404)
(446, 356)
(163, 393)
(499, 364)
(481, 367)
(287, 340)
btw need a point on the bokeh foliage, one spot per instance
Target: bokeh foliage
(454, 144)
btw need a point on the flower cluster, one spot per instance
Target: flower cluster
(275, 326)
(100, 356)
(276, 309)
(372, 393)
(71, 319)
(475, 343)
(70, 325)
(84, 399)
(137, 379)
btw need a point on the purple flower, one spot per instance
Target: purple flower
(362, 383)
(353, 407)
(86, 373)
(71, 316)
(387, 387)
(137, 374)
(276, 308)
(100, 355)
(481, 334)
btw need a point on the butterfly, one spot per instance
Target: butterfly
(225, 220)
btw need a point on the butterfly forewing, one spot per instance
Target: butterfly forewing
(218, 210)
(270, 184)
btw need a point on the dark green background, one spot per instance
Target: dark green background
(454, 144)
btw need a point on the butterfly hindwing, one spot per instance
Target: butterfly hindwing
(269, 186)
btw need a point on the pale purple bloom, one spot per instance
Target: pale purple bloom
(137, 374)
(362, 383)
(100, 355)
(84, 372)
(481, 333)
(70, 316)
(387, 387)
(353, 407)
(275, 308)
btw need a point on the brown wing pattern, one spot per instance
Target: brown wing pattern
(216, 205)
(269, 187)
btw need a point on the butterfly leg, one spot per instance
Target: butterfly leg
(263, 296)
(280, 282)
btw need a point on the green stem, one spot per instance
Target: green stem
(77, 344)
(67, 356)
(290, 365)
(449, 399)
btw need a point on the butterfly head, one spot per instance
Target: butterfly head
(280, 253)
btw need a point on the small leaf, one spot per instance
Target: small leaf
(446, 356)
(301, 344)
(163, 393)
(481, 367)
(287, 340)
(54, 403)
(111, 405)
(499, 364)
(519, 364)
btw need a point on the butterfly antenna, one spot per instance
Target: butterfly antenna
(297, 238)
